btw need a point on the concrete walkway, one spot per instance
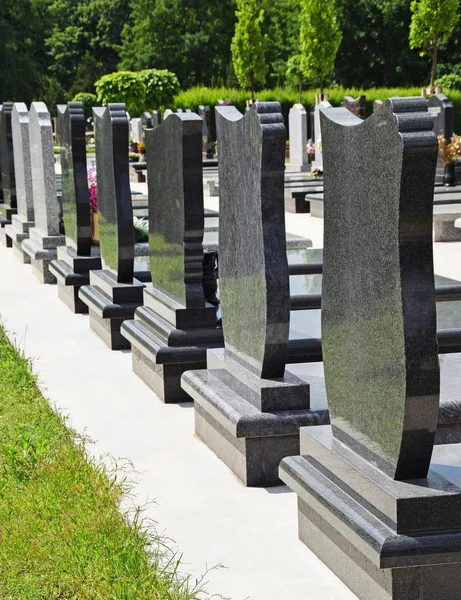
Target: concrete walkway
(212, 518)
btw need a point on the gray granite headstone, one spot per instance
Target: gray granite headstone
(357, 106)
(46, 205)
(318, 160)
(378, 300)
(75, 196)
(146, 120)
(205, 114)
(253, 269)
(176, 213)
(155, 118)
(114, 194)
(22, 161)
(298, 139)
(377, 105)
(7, 160)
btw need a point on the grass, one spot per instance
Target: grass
(62, 534)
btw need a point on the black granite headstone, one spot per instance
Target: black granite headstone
(155, 118)
(74, 261)
(207, 141)
(442, 112)
(9, 205)
(146, 120)
(113, 295)
(114, 193)
(246, 408)
(75, 196)
(171, 332)
(371, 503)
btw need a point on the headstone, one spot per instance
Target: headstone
(136, 130)
(207, 141)
(18, 231)
(377, 105)
(388, 520)
(246, 408)
(45, 236)
(146, 121)
(172, 331)
(113, 293)
(357, 106)
(74, 260)
(8, 207)
(317, 163)
(155, 118)
(298, 139)
(167, 113)
(443, 114)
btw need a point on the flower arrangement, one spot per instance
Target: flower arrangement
(450, 151)
(141, 147)
(310, 151)
(93, 189)
(316, 172)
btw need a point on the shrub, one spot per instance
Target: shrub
(139, 90)
(88, 100)
(451, 81)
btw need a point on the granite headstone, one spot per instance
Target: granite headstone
(357, 106)
(442, 111)
(246, 408)
(18, 231)
(317, 163)
(207, 141)
(297, 120)
(175, 301)
(74, 260)
(45, 236)
(371, 503)
(9, 206)
(113, 293)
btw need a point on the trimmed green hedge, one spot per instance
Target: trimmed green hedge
(201, 95)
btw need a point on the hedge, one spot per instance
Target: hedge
(209, 96)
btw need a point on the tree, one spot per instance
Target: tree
(319, 39)
(248, 46)
(432, 23)
(188, 37)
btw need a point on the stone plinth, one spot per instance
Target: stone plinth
(8, 207)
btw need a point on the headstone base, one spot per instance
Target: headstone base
(109, 304)
(295, 202)
(167, 340)
(72, 272)
(316, 208)
(17, 232)
(4, 238)
(41, 250)
(373, 532)
(233, 418)
(289, 168)
(6, 214)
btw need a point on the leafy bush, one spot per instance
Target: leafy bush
(139, 90)
(161, 87)
(451, 81)
(88, 100)
(287, 97)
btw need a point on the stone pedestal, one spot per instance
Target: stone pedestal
(109, 304)
(17, 232)
(6, 214)
(72, 272)
(385, 539)
(42, 249)
(167, 340)
(249, 422)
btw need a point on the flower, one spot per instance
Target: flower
(449, 151)
(93, 189)
(316, 172)
(141, 148)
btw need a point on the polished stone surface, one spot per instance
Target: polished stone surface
(253, 269)
(114, 194)
(46, 205)
(22, 161)
(378, 302)
(6, 156)
(441, 110)
(176, 212)
(75, 197)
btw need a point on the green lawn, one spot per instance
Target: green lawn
(62, 535)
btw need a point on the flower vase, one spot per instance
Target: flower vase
(94, 228)
(449, 176)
